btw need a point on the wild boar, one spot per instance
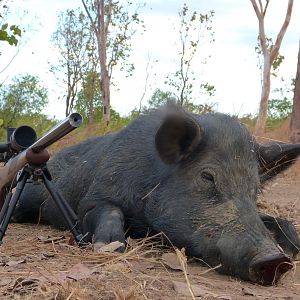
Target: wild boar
(193, 177)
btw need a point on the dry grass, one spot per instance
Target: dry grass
(37, 262)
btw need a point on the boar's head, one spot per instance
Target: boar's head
(206, 203)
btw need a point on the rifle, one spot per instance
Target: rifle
(24, 156)
(23, 138)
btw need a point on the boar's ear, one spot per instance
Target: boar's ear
(275, 158)
(177, 137)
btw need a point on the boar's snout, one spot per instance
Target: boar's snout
(269, 269)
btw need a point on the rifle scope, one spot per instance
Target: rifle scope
(18, 139)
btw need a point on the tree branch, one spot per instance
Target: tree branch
(260, 6)
(261, 26)
(266, 7)
(256, 9)
(146, 84)
(282, 31)
(89, 16)
(107, 22)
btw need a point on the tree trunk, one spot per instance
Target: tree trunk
(91, 113)
(295, 118)
(102, 41)
(269, 57)
(100, 25)
(67, 104)
(105, 92)
(263, 107)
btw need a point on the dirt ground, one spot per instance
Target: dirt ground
(38, 262)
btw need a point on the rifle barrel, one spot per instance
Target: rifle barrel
(70, 123)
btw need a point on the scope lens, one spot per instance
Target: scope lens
(22, 138)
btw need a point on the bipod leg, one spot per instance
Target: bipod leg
(66, 210)
(11, 201)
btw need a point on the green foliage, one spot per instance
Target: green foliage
(21, 103)
(8, 33)
(75, 40)
(279, 108)
(160, 98)
(277, 61)
(194, 28)
(125, 21)
(23, 97)
(208, 89)
(39, 122)
(248, 120)
(199, 108)
(89, 100)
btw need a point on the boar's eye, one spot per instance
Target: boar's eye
(208, 176)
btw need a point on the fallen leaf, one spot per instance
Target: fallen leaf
(77, 272)
(111, 247)
(13, 263)
(198, 291)
(38, 257)
(141, 266)
(52, 277)
(51, 239)
(5, 281)
(171, 260)
(247, 292)
(224, 297)
(182, 288)
(47, 255)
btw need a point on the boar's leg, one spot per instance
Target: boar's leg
(29, 207)
(274, 158)
(284, 233)
(104, 224)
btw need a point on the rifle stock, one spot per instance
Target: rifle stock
(11, 168)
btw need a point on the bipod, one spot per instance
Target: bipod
(39, 172)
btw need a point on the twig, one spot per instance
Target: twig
(183, 262)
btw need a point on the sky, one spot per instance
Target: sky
(231, 68)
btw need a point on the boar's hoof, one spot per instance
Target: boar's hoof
(115, 246)
(269, 269)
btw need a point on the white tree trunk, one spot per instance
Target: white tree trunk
(100, 26)
(265, 92)
(269, 57)
(102, 40)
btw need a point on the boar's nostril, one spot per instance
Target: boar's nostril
(269, 269)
